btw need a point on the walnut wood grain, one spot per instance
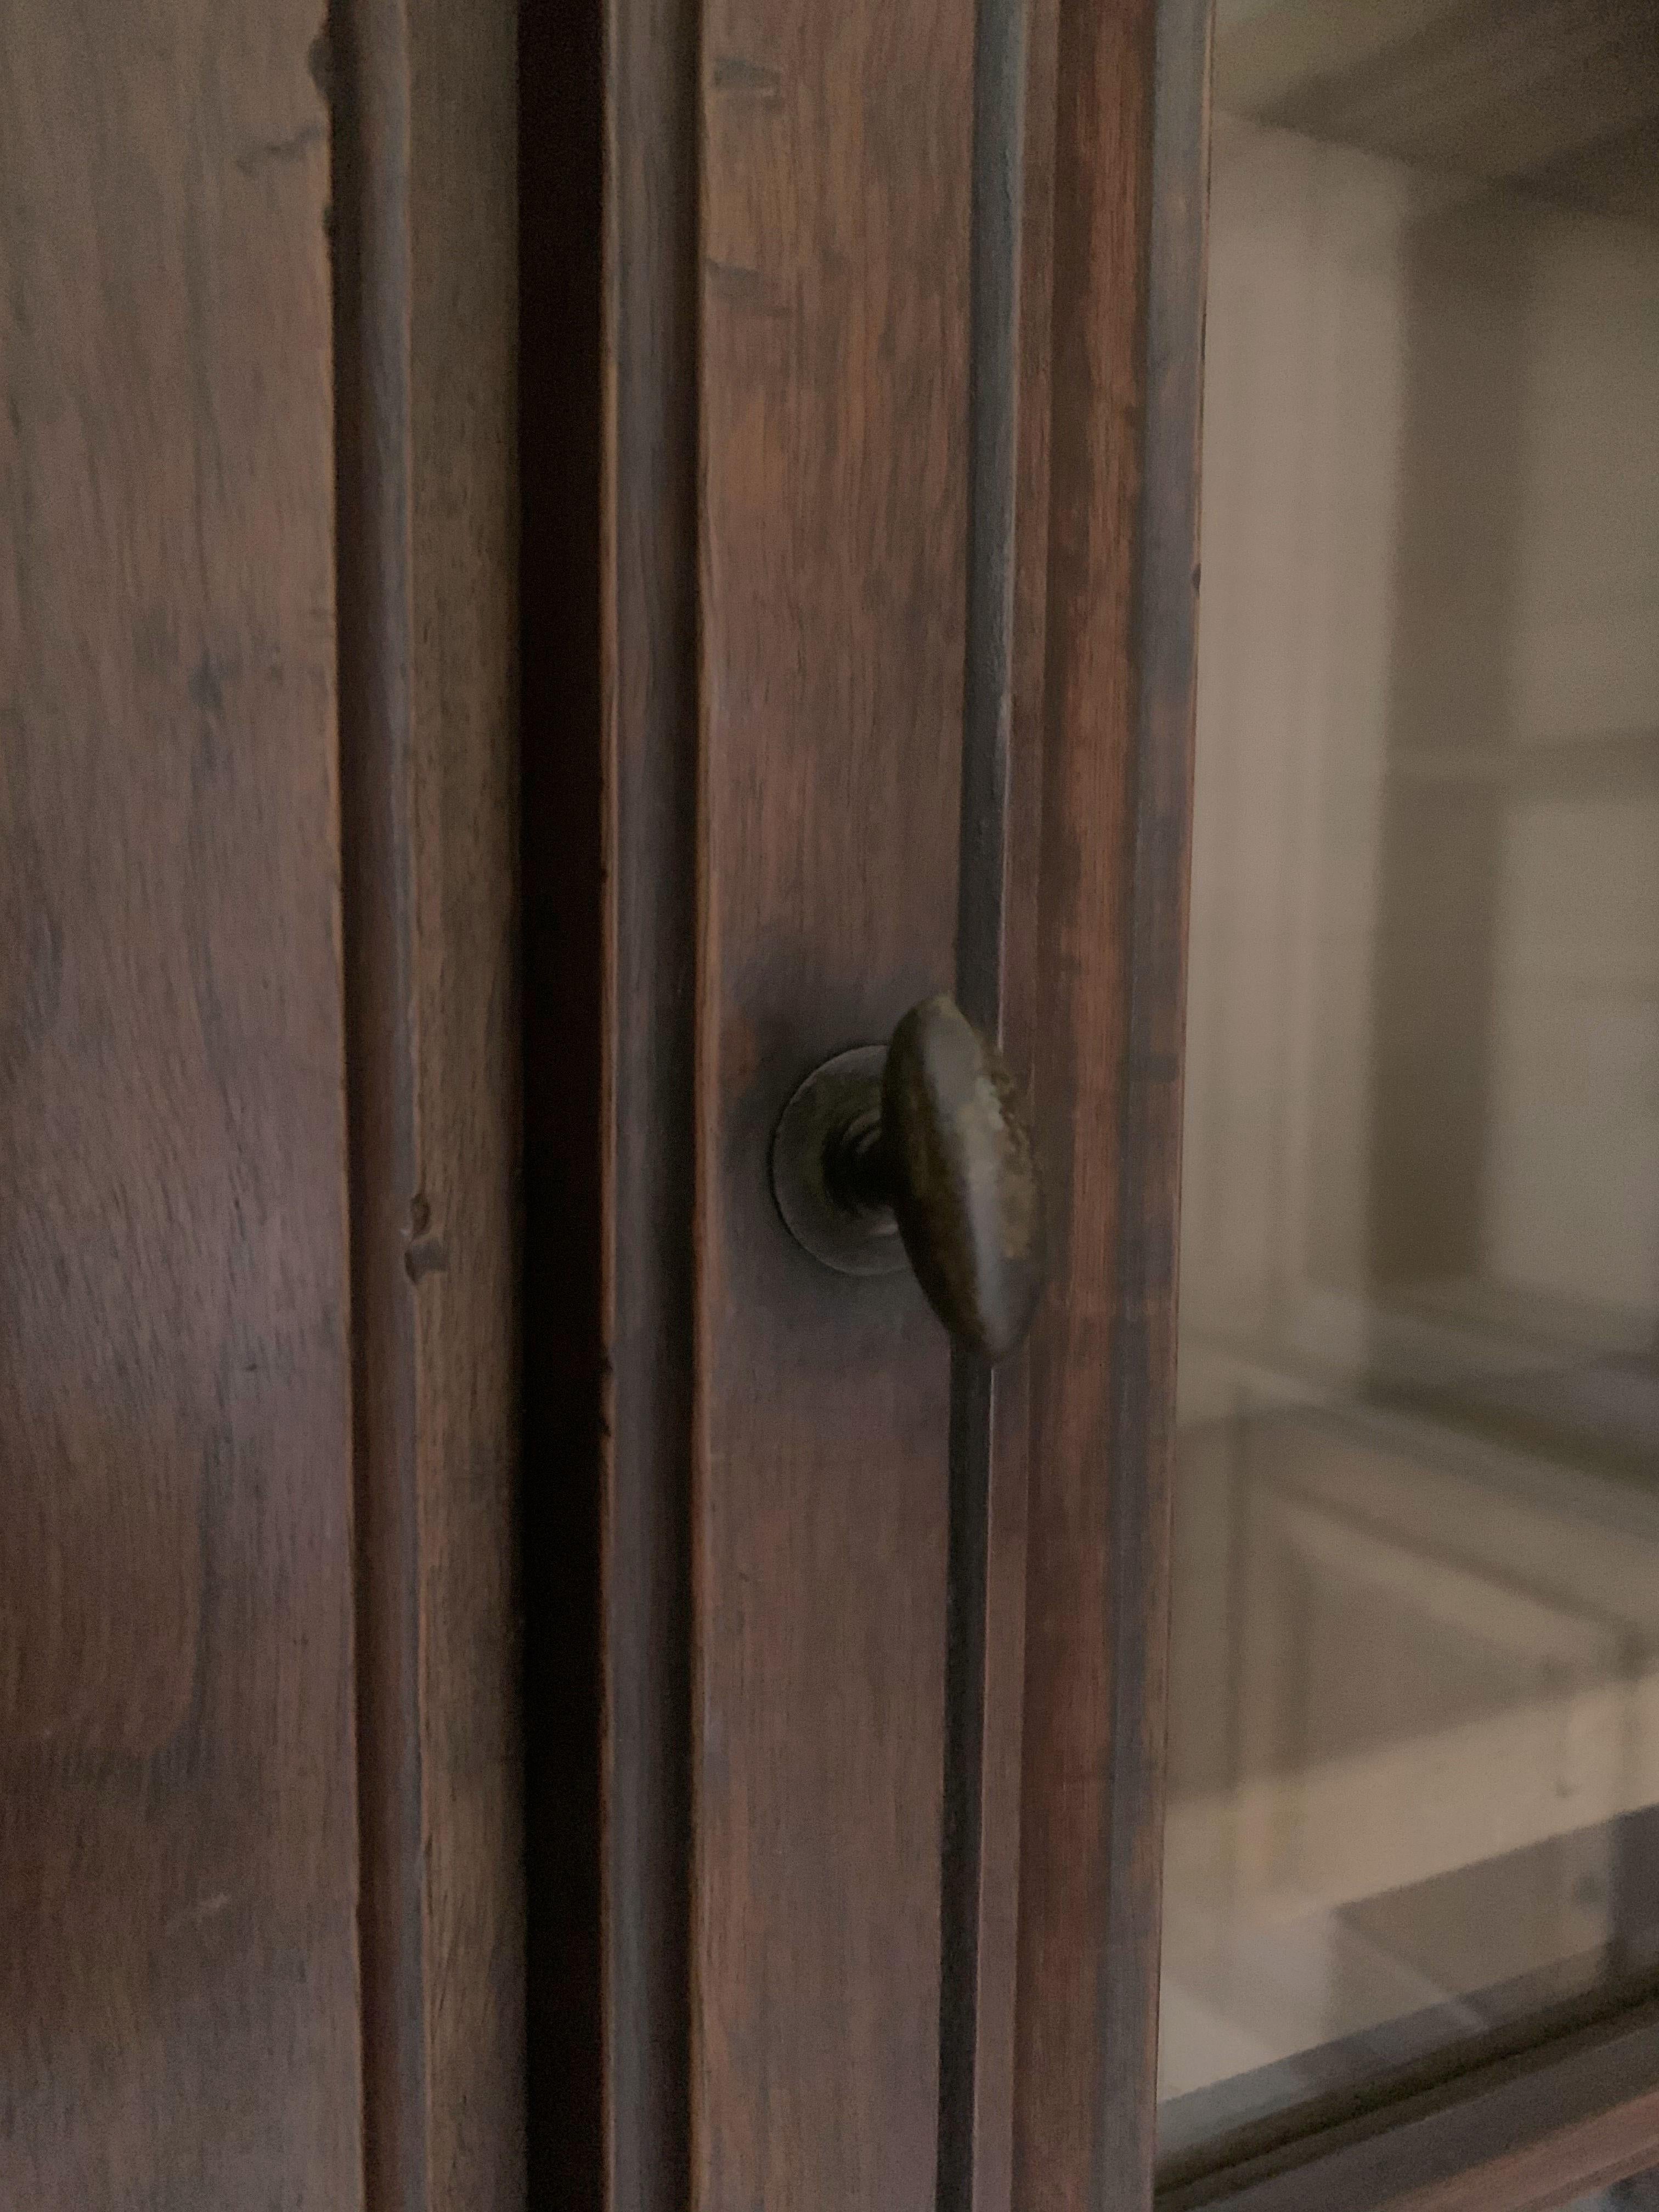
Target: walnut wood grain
(782, 640)
(833, 379)
(461, 1263)
(179, 2021)
(424, 226)
(1118, 603)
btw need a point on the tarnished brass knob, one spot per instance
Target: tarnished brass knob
(921, 1150)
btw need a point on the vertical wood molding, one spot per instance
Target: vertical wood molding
(979, 1858)
(1142, 1442)
(462, 1242)
(367, 79)
(649, 644)
(425, 255)
(1119, 617)
(644, 719)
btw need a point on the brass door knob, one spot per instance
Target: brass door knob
(921, 1149)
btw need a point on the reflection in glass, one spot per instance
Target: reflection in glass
(1414, 1753)
(1639, 2194)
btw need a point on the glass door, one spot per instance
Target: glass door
(1413, 1808)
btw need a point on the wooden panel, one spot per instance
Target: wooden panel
(1110, 901)
(837, 167)
(177, 1837)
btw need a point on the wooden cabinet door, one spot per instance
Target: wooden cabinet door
(260, 1913)
(871, 402)
(863, 365)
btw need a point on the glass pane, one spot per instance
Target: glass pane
(1414, 1753)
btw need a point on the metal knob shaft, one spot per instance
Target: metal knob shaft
(920, 1151)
